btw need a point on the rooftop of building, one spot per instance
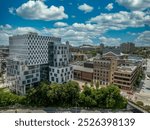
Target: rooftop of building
(115, 50)
(82, 68)
(16, 58)
(35, 34)
(135, 57)
(78, 63)
(126, 69)
(78, 54)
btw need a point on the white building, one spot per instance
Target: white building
(21, 76)
(59, 69)
(31, 47)
(32, 59)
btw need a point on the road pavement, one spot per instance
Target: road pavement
(144, 93)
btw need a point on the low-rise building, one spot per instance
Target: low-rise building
(104, 70)
(88, 64)
(78, 57)
(125, 76)
(83, 73)
(116, 69)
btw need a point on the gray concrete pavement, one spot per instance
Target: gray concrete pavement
(144, 93)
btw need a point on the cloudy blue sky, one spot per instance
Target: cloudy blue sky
(79, 21)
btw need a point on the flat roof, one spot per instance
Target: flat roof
(128, 69)
(82, 68)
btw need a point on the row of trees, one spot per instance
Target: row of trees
(68, 95)
(8, 99)
(143, 52)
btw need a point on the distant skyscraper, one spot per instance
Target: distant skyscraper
(127, 47)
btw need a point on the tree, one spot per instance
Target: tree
(66, 95)
(109, 97)
(140, 103)
(147, 107)
(97, 84)
(8, 99)
(92, 84)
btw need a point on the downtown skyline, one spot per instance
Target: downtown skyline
(78, 21)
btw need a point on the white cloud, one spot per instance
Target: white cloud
(110, 41)
(86, 8)
(133, 34)
(82, 26)
(122, 20)
(6, 26)
(24, 30)
(37, 10)
(77, 38)
(11, 10)
(73, 16)
(4, 38)
(109, 6)
(143, 38)
(60, 24)
(6, 31)
(135, 4)
(70, 34)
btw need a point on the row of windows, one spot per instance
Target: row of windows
(97, 71)
(121, 74)
(29, 81)
(57, 80)
(58, 47)
(119, 78)
(61, 74)
(98, 78)
(124, 83)
(63, 70)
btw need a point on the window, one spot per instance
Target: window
(31, 67)
(28, 81)
(52, 78)
(29, 76)
(37, 70)
(23, 82)
(33, 71)
(34, 79)
(57, 80)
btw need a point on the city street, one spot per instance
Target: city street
(146, 83)
(65, 110)
(144, 94)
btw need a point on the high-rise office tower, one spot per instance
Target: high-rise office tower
(31, 59)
